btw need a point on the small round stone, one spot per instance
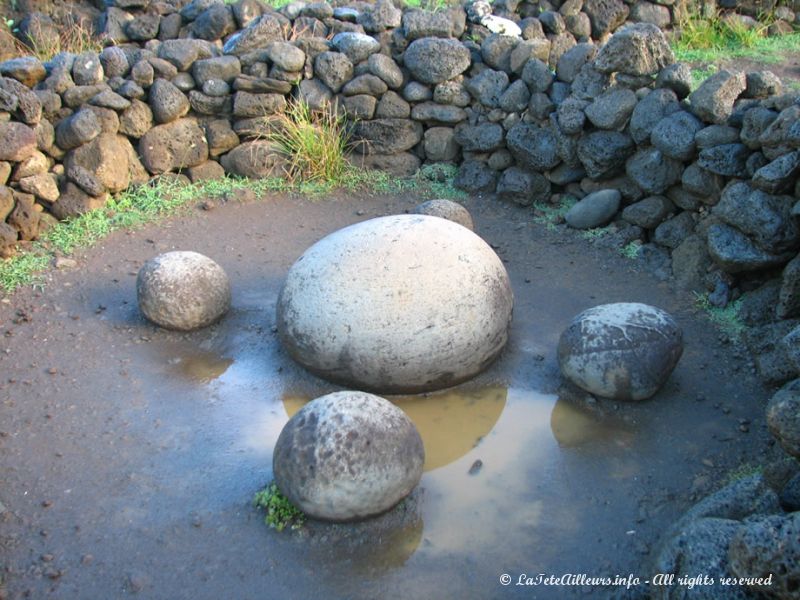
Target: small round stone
(624, 351)
(446, 209)
(348, 455)
(399, 304)
(183, 290)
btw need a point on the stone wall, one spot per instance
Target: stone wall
(704, 183)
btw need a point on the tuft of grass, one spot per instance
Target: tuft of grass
(700, 74)
(727, 319)
(550, 215)
(280, 512)
(77, 38)
(711, 40)
(594, 233)
(631, 250)
(22, 270)
(314, 143)
(742, 472)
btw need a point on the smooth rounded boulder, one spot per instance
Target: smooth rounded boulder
(622, 351)
(398, 304)
(347, 456)
(183, 290)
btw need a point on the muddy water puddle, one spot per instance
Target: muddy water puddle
(497, 458)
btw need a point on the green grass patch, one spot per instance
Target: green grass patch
(700, 74)
(314, 142)
(22, 270)
(148, 203)
(594, 233)
(280, 512)
(631, 250)
(550, 215)
(727, 319)
(715, 39)
(743, 471)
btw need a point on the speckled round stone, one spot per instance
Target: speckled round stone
(624, 351)
(347, 456)
(183, 290)
(398, 304)
(446, 209)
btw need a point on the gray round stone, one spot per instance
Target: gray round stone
(398, 304)
(183, 290)
(783, 417)
(348, 455)
(446, 209)
(624, 351)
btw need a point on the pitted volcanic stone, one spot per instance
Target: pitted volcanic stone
(405, 303)
(183, 290)
(624, 351)
(348, 455)
(446, 209)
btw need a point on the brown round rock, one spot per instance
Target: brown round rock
(446, 209)
(183, 290)
(347, 456)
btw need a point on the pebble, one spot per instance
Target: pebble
(476, 467)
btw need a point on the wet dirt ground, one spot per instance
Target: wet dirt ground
(129, 455)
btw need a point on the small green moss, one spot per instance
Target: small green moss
(550, 215)
(743, 471)
(280, 512)
(726, 318)
(594, 233)
(631, 250)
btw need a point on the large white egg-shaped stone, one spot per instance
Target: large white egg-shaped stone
(398, 304)
(348, 455)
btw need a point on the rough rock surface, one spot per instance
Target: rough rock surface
(183, 290)
(347, 456)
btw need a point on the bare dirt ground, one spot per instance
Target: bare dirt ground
(129, 455)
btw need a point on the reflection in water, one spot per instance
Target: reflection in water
(451, 423)
(201, 366)
(572, 426)
(524, 441)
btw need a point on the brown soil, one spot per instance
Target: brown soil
(129, 455)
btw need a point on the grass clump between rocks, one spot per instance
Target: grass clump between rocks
(551, 215)
(280, 512)
(314, 143)
(727, 318)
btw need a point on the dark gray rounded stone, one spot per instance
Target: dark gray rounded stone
(347, 456)
(446, 209)
(398, 304)
(624, 351)
(783, 417)
(769, 546)
(183, 290)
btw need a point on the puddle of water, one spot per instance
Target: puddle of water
(201, 366)
(451, 423)
(517, 439)
(495, 475)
